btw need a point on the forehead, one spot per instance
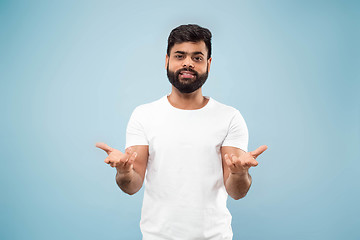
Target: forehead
(190, 47)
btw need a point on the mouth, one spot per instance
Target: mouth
(187, 74)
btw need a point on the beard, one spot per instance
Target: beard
(190, 85)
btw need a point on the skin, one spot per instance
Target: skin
(236, 164)
(131, 165)
(192, 59)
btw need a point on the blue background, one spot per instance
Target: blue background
(72, 72)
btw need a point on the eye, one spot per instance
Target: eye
(198, 59)
(178, 56)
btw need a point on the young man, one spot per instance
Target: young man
(192, 148)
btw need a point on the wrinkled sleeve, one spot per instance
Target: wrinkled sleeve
(135, 132)
(237, 135)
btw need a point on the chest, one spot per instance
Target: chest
(187, 131)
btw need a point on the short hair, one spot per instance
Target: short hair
(189, 33)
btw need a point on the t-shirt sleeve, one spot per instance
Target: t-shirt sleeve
(237, 135)
(135, 132)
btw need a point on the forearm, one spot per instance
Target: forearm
(129, 182)
(238, 184)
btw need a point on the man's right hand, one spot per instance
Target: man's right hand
(124, 163)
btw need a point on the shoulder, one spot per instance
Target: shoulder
(149, 108)
(222, 108)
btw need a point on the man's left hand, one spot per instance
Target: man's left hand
(241, 164)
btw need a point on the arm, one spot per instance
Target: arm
(131, 181)
(236, 164)
(131, 166)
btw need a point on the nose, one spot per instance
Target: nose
(188, 62)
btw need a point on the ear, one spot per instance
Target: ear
(166, 61)
(209, 63)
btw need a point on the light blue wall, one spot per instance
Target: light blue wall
(72, 72)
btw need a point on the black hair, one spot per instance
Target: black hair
(189, 33)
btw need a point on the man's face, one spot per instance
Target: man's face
(187, 66)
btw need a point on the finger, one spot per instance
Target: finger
(128, 151)
(234, 159)
(258, 151)
(236, 162)
(132, 158)
(226, 157)
(227, 160)
(253, 163)
(107, 160)
(104, 147)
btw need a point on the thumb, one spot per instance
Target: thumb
(104, 147)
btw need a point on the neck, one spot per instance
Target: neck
(187, 101)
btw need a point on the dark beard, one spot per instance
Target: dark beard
(186, 87)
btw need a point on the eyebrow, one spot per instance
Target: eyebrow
(193, 53)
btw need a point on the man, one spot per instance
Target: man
(192, 148)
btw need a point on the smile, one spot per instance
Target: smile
(187, 74)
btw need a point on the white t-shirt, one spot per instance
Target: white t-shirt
(185, 197)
